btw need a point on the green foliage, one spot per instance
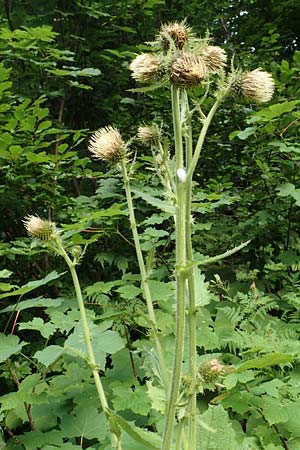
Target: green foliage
(64, 69)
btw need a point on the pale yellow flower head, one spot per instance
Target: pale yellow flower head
(144, 68)
(107, 144)
(188, 70)
(149, 135)
(214, 57)
(257, 86)
(39, 228)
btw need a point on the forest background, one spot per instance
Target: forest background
(64, 73)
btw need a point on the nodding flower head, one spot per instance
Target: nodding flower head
(176, 32)
(144, 68)
(188, 70)
(149, 135)
(107, 144)
(214, 58)
(257, 86)
(39, 228)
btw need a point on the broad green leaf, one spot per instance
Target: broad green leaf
(36, 439)
(158, 398)
(87, 422)
(130, 396)
(274, 111)
(46, 329)
(9, 345)
(215, 431)
(129, 291)
(238, 401)
(146, 438)
(243, 134)
(273, 410)
(272, 359)
(48, 355)
(161, 291)
(160, 204)
(104, 342)
(38, 302)
(203, 296)
(33, 285)
(5, 273)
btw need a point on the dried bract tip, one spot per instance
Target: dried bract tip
(257, 86)
(177, 32)
(144, 68)
(214, 57)
(39, 228)
(215, 366)
(107, 144)
(188, 70)
(149, 135)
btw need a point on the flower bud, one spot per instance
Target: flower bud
(144, 68)
(214, 58)
(177, 32)
(257, 86)
(211, 371)
(39, 228)
(149, 135)
(107, 144)
(188, 70)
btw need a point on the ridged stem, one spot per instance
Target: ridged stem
(144, 277)
(180, 277)
(201, 138)
(192, 323)
(88, 341)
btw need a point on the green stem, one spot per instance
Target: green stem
(175, 95)
(144, 277)
(88, 341)
(180, 278)
(192, 323)
(201, 138)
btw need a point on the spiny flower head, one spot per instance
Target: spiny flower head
(149, 135)
(211, 371)
(214, 58)
(177, 32)
(188, 70)
(257, 86)
(39, 228)
(144, 68)
(107, 144)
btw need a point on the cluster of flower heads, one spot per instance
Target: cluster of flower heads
(186, 62)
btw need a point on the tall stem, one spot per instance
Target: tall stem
(192, 324)
(201, 138)
(88, 341)
(144, 277)
(180, 277)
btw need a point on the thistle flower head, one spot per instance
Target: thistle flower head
(144, 68)
(149, 135)
(177, 32)
(211, 370)
(39, 228)
(188, 70)
(107, 144)
(214, 58)
(257, 86)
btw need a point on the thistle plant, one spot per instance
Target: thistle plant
(181, 61)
